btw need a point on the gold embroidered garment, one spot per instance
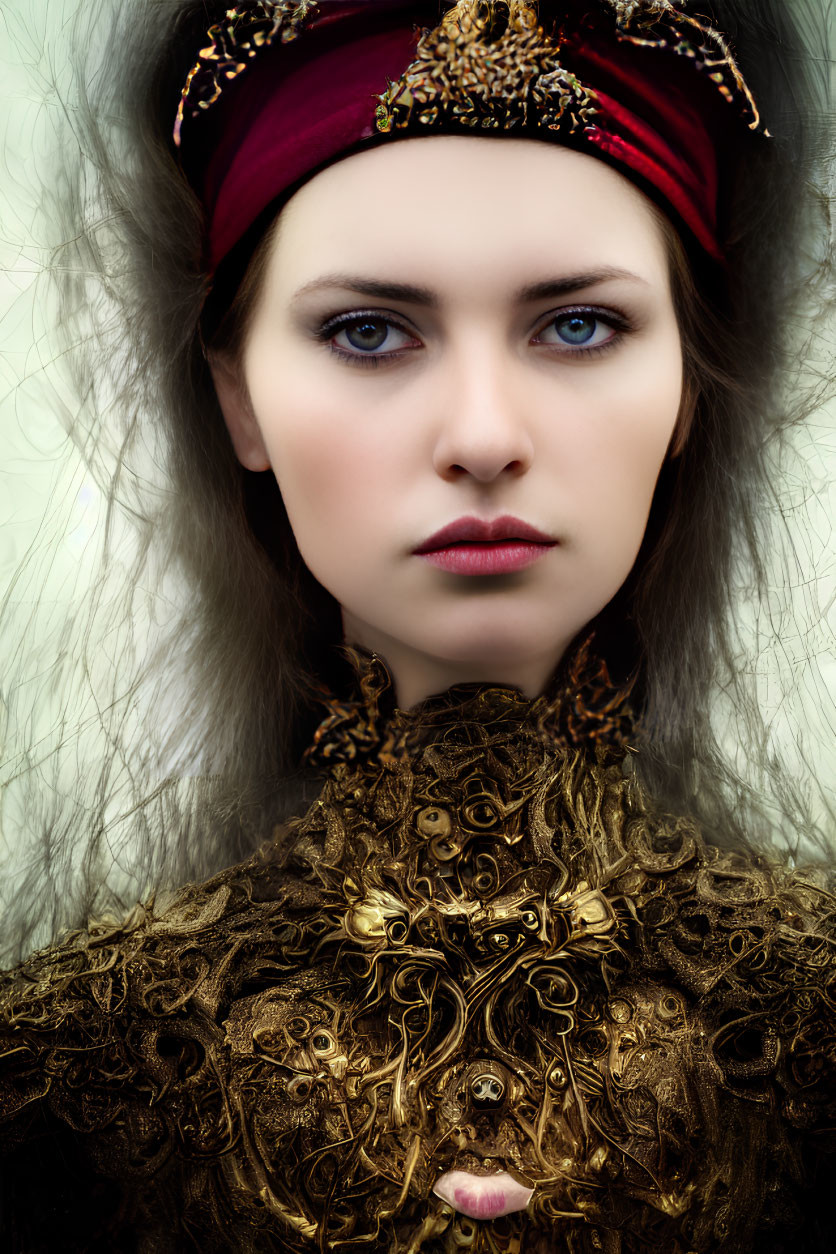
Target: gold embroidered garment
(478, 951)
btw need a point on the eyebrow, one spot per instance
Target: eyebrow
(547, 289)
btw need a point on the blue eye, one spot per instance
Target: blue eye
(366, 334)
(582, 329)
(576, 328)
(366, 339)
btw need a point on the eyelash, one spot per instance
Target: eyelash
(619, 323)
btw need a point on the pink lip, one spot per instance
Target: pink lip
(482, 1197)
(470, 546)
(487, 559)
(474, 530)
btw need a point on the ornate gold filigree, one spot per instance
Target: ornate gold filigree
(491, 955)
(661, 24)
(233, 43)
(488, 66)
(584, 707)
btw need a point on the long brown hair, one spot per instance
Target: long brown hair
(224, 692)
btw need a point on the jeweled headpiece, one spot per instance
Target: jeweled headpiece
(284, 87)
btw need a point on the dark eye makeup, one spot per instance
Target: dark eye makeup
(581, 331)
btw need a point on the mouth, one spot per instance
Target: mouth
(476, 531)
(470, 546)
(482, 1197)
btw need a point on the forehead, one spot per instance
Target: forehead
(443, 208)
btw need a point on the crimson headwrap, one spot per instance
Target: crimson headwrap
(282, 89)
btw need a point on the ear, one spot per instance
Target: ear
(238, 414)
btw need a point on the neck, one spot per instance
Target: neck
(417, 675)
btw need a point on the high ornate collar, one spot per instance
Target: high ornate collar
(479, 996)
(582, 706)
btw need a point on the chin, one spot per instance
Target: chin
(498, 652)
(528, 632)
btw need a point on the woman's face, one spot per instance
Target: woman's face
(457, 328)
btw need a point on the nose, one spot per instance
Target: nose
(483, 430)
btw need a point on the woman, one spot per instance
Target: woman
(488, 991)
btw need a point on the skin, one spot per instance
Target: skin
(481, 409)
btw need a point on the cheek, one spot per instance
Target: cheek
(334, 471)
(614, 454)
(645, 407)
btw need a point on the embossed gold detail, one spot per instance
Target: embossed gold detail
(587, 996)
(232, 44)
(487, 66)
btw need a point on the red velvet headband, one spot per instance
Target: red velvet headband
(282, 89)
